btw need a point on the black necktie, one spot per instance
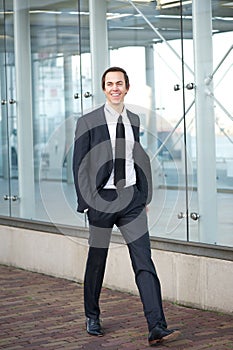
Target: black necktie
(119, 167)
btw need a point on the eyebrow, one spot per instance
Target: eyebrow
(112, 82)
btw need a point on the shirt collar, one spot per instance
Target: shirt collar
(113, 112)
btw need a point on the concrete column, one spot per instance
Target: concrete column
(4, 132)
(69, 126)
(24, 108)
(205, 121)
(150, 82)
(35, 112)
(99, 46)
(152, 138)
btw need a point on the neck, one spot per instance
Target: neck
(118, 108)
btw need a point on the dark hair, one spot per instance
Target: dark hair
(115, 69)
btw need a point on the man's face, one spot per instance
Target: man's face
(115, 89)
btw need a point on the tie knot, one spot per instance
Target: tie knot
(119, 119)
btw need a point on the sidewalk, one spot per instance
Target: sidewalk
(43, 312)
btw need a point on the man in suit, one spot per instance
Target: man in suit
(112, 176)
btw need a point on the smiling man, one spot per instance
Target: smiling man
(115, 85)
(112, 177)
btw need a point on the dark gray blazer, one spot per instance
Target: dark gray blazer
(93, 159)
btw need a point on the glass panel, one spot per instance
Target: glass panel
(8, 123)
(222, 36)
(155, 47)
(61, 90)
(149, 47)
(222, 12)
(58, 65)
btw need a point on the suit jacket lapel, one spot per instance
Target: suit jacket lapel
(134, 126)
(104, 133)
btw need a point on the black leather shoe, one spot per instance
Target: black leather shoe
(160, 334)
(94, 327)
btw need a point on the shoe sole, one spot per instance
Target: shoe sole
(95, 335)
(170, 337)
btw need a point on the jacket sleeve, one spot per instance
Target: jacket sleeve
(142, 166)
(143, 172)
(80, 164)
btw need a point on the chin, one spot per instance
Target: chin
(116, 102)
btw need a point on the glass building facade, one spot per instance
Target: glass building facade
(178, 55)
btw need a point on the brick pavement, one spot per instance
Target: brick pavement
(43, 312)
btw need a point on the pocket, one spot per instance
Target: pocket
(91, 215)
(140, 196)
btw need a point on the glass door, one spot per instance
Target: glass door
(222, 39)
(175, 95)
(9, 202)
(162, 93)
(53, 83)
(61, 92)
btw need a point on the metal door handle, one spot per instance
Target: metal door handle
(176, 87)
(3, 102)
(194, 216)
(12, 101)
(76, 96)
(190, 86)
(87, 94)
(181, 215)
(13, 198)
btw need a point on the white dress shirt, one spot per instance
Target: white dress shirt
(111, 118)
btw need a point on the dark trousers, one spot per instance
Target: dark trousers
(126, 210)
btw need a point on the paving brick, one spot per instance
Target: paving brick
(42, 312)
